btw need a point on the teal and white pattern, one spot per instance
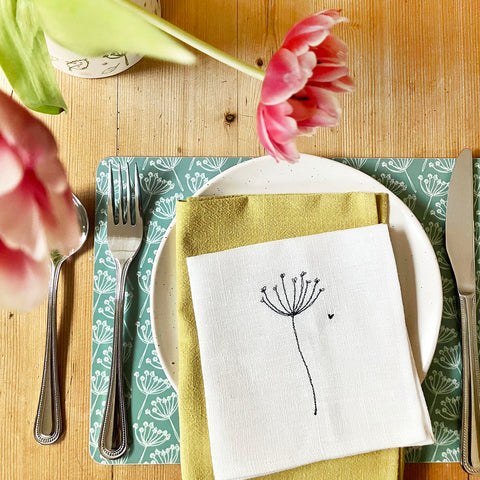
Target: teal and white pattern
(152, 403)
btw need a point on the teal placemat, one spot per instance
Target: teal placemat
(152, 403)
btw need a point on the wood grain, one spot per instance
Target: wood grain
(416, 66)
(435, 471)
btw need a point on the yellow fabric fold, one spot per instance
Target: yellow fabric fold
(212, 224)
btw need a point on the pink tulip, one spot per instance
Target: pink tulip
(37, 214)
(297, 92)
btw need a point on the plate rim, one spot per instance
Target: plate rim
(264, 158)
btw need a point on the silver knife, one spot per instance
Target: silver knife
(460, 239)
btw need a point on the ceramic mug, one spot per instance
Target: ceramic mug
(90, 67)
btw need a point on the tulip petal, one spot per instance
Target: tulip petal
(328, 73)
(23, 281)
(334, 13)
(10, 166)
(311, 31)
(332, 50)
(64, 233)
(280, 151)
(301, 109)
(320, 108)
(341, 85)
(31, 138)
(306, 64)
(285, 75)
(262, 132)
(281, 127)
(288, 152)
(21, 226)
(51, 173)
(34, 144)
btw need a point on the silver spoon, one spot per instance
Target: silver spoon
(48, 422)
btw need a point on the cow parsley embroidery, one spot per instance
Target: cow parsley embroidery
(291, 304)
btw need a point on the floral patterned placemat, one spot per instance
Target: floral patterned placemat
(152, 404)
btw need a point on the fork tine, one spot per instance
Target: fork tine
(129, 198)
(111, 196)
(121, 203)
(138, 197)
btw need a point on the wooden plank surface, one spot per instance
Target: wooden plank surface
(417, 69)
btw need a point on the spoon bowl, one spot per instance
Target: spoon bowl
(83, 223)
(82, 217)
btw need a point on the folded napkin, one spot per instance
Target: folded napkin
(211, 224)
(306, 366)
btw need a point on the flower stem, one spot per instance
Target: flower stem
(174, 429)
(435, 452)
(143, 405)
(196, 43)
(94, 403)
(143, 355)
(96, 350)
(428, 206)
(144, 306)
(410, 180)
(144, 450)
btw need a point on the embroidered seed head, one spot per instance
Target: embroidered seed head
(293, 301)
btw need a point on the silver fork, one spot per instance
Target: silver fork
(124, 236)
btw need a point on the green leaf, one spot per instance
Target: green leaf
(95, 27)
(25, 60)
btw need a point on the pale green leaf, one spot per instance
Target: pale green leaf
(95, 27)
(25, 60)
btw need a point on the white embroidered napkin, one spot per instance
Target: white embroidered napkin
(304, 352)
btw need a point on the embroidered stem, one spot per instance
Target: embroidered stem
(294, 281)
(282, 276)
(302, 297)
(311, 302)
(275, 289)
(306, 366)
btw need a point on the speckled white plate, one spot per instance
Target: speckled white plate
(416, 261)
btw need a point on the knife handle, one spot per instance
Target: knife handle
(470, 442)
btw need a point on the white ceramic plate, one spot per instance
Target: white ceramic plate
(416, 261)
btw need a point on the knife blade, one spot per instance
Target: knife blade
(459, 231)
(459, 225)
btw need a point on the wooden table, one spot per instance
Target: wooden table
(416, 65)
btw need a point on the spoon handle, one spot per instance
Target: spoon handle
(48, 422)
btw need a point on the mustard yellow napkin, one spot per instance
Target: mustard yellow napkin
(212, 224)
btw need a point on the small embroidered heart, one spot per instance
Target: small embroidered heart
(330, 315)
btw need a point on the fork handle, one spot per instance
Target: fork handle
(48, 421)
(113, 441)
